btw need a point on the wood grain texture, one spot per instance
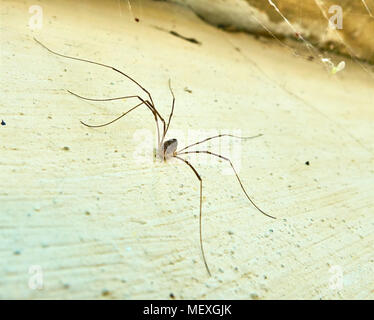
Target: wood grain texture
(103, 223)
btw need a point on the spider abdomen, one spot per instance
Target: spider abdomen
(168, 149)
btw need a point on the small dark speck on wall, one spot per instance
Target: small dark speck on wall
(105, 292)
(307, 163)
(3, 123)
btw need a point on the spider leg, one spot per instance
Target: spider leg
(149, 105)
(219, 136)
(172, 109)
(99, 64)
(200, 216)
(146, 102)
(237, 176)
(110, 122)
(106, 99)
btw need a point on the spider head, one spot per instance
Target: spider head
(168, 149)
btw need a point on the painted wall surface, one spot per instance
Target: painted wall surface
(88, 213)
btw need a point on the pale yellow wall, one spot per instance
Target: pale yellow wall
(101, 224)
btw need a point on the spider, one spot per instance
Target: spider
(166, 148)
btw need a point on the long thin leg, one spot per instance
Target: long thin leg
(106, 99)
(99, 64)
(172, 110)
(149, 105)
(219, 136)
(237, 176)
(115, 69)
(110, 122)
(201, 204)
(146, 102)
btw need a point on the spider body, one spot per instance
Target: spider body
(168, 149)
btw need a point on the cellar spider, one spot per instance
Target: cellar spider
(166, 149)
